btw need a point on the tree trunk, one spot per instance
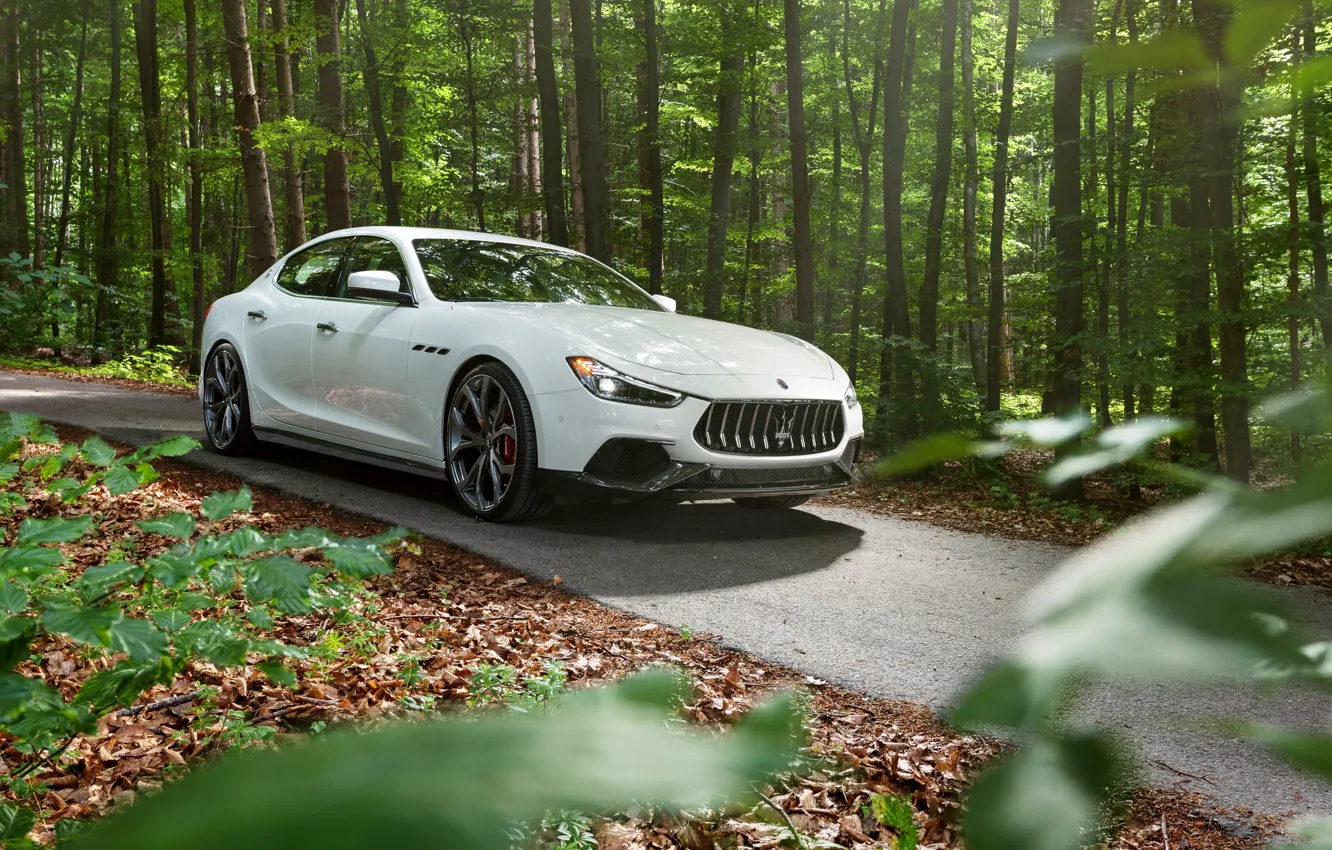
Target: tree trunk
(896, 319)
(292, 180)
(723, 163)
(337, 191)
(1102, 269)
(943, 169)
(755, 155)
(107, 263)
(263, 236)
(15, 178)
(194, 205)
(39, 157)
(150, 88)
(1313, 184)
(1121, 229)
(474, 128)
(975, 346)
(1293, 267)
(654, 217)
(398, 110)
(587, 86)
(800, 188)
(75, 116)
(995, 317)
(863, 138)
(1220, 135)
(375, 95)
(1066, 382)
(552, 146)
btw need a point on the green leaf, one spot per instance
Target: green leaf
(244, 542)
(1255, 26)
(1010, 697)
(7, 472)
(1317, 834)
(176, 566)
(281, 579)
(139, 639)
(16, 635)
(13, 598)
(172, 619)
(219, 505)
(213, 642)
(357, 559)
(277, 673)
(122, 684)
(96, 452)
(1308, 750)
(10, 501)
(1048, 796)
(172, 447)
(32, 560)
(179, 525)
(408, 785)
(55, 530)
(259, 617)
(925, 453)
(82, 623)
(1305, 409)
(15, 822)
(1049, 432)
(1115, 446)
(1172, 50)
(120, 479)
(95, 580)
(9, 449)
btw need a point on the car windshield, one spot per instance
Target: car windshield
(465, 270)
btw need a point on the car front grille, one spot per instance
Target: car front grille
(772, 428)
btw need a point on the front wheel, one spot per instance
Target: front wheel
(772, 502)
(491, 446)
(226, 403)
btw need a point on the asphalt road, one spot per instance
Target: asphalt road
(893, 608)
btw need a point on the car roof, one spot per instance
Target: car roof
(407, 234)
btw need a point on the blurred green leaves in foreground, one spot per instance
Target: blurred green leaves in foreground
(463, 783)
(1154, 601)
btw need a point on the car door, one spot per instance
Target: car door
(360, 355)
(279, 333)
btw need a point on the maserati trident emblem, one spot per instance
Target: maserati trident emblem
(783, 384)
(783, 434)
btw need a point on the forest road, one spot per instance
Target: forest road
(892, 608)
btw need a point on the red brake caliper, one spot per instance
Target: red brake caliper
(510, 446)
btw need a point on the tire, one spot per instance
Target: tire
(226, 403)
(490, 446)
(772, 502)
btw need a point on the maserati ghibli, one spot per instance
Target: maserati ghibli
(520, 372)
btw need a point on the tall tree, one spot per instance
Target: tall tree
(1293, 251)
(587, 89)
(71, 134)
(552, 147)
(896, 319)
(800, 186)
(943, 169)
(1220, 134)
(1313, 183)
(194, 200)
(729, 85)
(337, 190)
(863, 137)
(1121, 223)
(254, 166)
(293, 181)
(374, 93)
(150, 90)
(15, 176)
(1066, 383)
(975, 347)
(39, 161)
(995, 317)
(106, 256)
(653, 203)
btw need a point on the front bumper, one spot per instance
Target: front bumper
(579, 437)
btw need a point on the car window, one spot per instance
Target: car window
(314, 271)
(374, 253)
(467, 270)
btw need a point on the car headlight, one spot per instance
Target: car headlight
(604, 382)
(851, 401)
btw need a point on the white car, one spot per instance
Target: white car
(521, 373)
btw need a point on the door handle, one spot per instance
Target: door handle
(327, 326)
(257, 314)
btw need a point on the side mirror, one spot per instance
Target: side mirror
(377, 286)
(665, 301)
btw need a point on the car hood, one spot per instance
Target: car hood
(682, 345)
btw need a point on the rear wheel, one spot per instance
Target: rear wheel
(226, 403)
(773, 502)
(491, 447)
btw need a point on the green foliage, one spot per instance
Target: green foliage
(159, 365)
(895, 812)
(438, 784)
(144, 615)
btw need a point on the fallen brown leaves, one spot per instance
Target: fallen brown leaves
(447, 612)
